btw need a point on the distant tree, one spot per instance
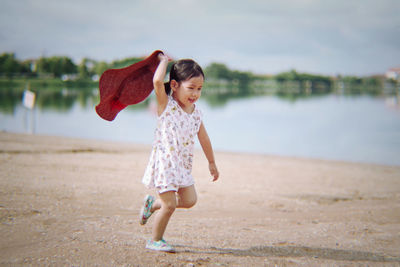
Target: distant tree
(287, 76)
(117, 64)
(293, 75)
(353, 80)
(43, 65)
(218, 71)
(8, 64)
(83, 71)
(56, 66)
(67, 66)
(100, 67)
(376, 81)
(244, 78)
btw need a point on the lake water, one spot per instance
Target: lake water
(349, 128)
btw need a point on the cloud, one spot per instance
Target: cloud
(262, 36)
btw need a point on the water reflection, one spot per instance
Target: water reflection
(295, 121)
(60, 100)
(9, 99)
(63, 99)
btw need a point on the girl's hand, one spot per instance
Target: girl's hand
(163, 57)
(214, 171)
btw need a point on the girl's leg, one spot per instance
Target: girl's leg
(167, 203)
(156, 205)
(186, 197)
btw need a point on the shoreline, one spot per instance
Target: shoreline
(73, 201)
(198, 149)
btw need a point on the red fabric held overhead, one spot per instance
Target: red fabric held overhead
(127, 86)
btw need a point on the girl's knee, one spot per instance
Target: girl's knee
(168, 202)
(169, 207)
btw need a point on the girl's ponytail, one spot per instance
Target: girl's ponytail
(167, 88)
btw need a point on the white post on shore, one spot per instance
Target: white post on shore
(28, 101)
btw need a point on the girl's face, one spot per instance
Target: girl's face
(187, 92)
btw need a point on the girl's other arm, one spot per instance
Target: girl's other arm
(208, 151)
(158, 82)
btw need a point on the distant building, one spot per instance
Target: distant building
(393, 73)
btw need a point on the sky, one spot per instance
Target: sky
(329, 37)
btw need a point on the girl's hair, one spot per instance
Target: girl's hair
(183, 70)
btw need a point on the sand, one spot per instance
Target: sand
(75, 202)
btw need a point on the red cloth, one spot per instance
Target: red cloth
(127, 86)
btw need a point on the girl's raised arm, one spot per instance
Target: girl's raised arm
(158, 82)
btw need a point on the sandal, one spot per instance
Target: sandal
(145, 212)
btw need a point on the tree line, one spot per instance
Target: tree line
(62, 66)
(57, 66)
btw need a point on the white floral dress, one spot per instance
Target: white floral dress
(170, 163)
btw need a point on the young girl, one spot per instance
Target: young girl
(170, 165)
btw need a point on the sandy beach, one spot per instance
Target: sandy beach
(75, 202)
